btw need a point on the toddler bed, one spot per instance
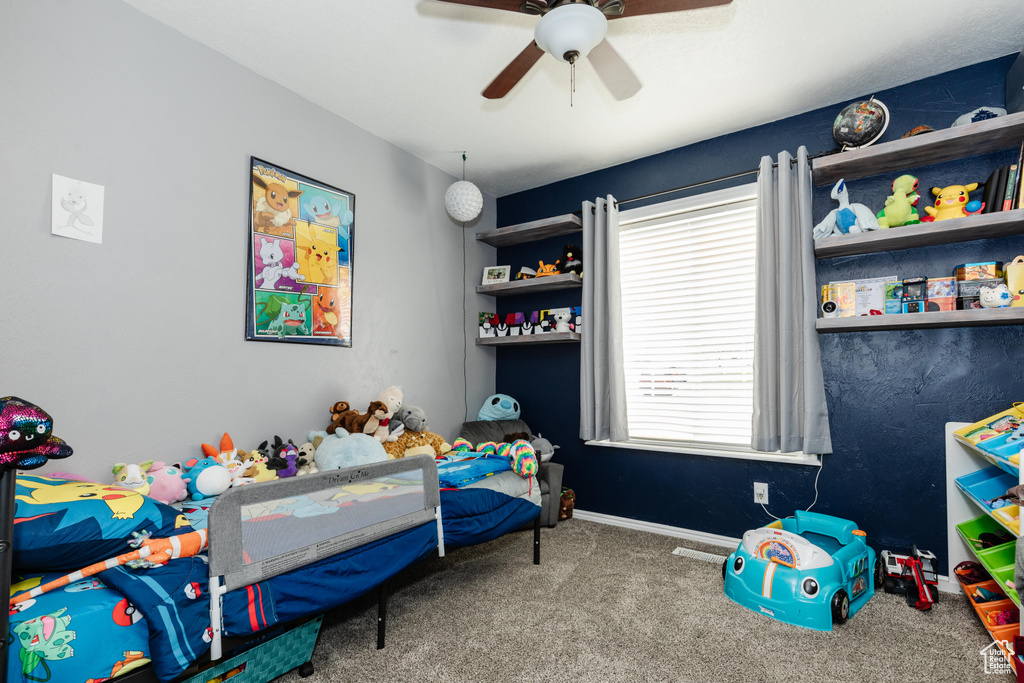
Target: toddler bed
(279, 552)
(478, 505)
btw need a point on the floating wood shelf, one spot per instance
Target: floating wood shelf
(928, 148)
(549, 338)
(969, 318)
(539, 284)
(529, 232)
(979, 227)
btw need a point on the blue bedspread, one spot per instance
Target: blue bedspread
(455, 472)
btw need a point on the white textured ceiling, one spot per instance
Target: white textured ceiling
(411, 71)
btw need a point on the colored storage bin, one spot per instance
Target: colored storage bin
(986, 611)
(972, 529)
(998, 556)
(988, 585)
(1002, 575)
(269, 659)
(985, 485)
(1009, 516)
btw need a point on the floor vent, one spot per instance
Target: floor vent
(698, 555)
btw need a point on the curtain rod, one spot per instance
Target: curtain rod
(752, 171)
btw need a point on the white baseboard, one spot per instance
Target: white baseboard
(946, 585)
(654, 528)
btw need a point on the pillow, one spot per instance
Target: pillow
(63, 525)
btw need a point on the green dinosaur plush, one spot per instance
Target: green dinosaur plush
(899, 207)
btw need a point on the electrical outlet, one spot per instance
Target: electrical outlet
(760, 493)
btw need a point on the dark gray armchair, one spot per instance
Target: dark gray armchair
(549, 476)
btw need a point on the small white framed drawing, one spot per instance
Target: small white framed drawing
(77, 209)
(494, 275)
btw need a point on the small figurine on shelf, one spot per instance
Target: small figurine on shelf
(995, 297)
(953, 201)
(899, 206)
(546, 269)
(572, 260)
(848, 218)
(526, 273)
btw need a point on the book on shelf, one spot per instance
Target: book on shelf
(1018, 199)
(1011, 187)
(997, 200)
(989, 194)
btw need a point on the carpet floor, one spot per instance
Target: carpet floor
(614, 604)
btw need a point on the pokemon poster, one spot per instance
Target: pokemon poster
(300, 258)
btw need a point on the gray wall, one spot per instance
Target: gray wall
(136, 346)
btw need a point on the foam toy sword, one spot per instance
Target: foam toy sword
(149, 552)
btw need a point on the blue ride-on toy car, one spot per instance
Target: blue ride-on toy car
(811, 570)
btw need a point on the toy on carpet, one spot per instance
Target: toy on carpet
(339, 450)
(997, 296)
(779, 571)
(392, 400)
(499, 407)
(899, 206)
(26, 441)
(953, 201)
(132, 476)
(913, 575)
(354, 422)
(545, 451)
(206, 477)
(410, 439)
(572, 260)
(149, 552)
(286, 459)
(848, 218)
(166, 483)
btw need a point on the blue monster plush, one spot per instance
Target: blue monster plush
(499, 407)
(341, 449)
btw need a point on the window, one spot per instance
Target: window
(688, 319)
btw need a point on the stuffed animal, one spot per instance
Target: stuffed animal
(338, 450)
(523, 459)
(413, 418)
(499, 407)
(207, 477)
(995, 297)
(398, 448)
(25, 439)
(953, 201)
(261, 456)
(572, 260)
(392, 400)
(543, 270)
(543, 448)
(166, 483)
(286, 459)
(848, 218)
(899, 206)
(354, 422)
(562, 317)
(307, 452)
(131, 476)
(237, 461)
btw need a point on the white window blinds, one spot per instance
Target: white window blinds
(687, 270)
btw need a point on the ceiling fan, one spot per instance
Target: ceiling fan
(571, 29)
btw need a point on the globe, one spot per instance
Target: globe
(861, 123)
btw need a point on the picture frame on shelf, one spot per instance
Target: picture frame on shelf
(494, 275)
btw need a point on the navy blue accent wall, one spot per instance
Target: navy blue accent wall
(889, 393)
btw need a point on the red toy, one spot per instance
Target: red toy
(913, 575)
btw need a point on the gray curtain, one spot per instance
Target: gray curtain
(602, 380)
(790, 413)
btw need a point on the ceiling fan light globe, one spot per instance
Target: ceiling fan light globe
(568, 29)
(463, 201)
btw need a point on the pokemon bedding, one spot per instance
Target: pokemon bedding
(482, 498)
(123, 618)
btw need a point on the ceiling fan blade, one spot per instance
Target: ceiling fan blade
(613, 71)
(633, 8)
(514, 72)
(510, 5)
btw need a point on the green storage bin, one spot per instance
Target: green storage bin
(998, 556)
(1002, 575)
(268, 660)
(973, 528)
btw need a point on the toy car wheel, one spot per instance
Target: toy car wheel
(889, 584)
(840, 607)
(879, 574)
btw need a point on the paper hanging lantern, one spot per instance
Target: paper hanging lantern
(463, 201)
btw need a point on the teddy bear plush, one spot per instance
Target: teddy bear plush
(354, 422)
(410, 439)
(392, 399)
